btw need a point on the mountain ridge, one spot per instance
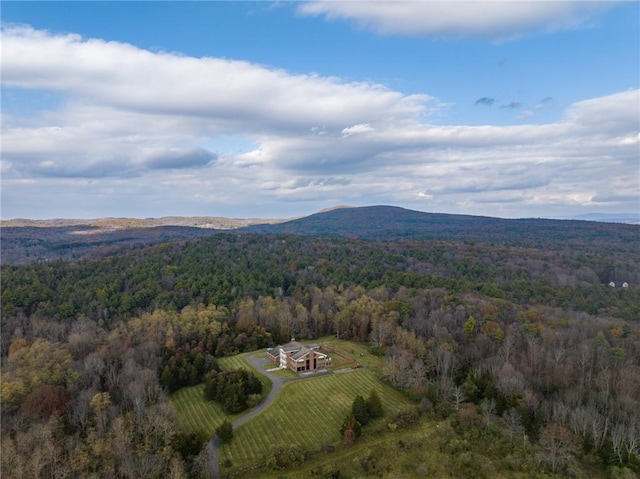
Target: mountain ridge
(393, 223)
(64, 239)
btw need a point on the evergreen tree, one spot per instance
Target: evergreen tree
(360, 410)
(374, 405)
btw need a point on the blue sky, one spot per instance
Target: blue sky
(278, 109)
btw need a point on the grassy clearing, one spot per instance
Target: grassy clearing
(420, 459)
(197, 414)
(358, 351)
(430, 449)
(307, 413)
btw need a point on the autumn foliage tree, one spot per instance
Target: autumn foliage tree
(46, 401)
(350, 430)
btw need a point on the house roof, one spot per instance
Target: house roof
(300, 354)
(274, 351)
(292, 346)
(296, 350)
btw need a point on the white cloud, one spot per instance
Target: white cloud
(228, 94)
(356, 129)
(136, 131)
(490, 19)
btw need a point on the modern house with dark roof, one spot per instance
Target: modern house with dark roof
(298, 357)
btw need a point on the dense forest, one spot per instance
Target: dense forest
(528, 338)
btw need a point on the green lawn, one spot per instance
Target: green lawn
(197, 414)
(358, 351)
(307, 413)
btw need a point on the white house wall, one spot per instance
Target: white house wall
(283, 359)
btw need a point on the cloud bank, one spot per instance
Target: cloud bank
(146, 134)
(492, 20)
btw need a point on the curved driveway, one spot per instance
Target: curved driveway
(277, 382)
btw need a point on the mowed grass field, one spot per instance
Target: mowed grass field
(307, 413)
(359, 352)
(197, 414)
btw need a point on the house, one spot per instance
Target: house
(298, 357)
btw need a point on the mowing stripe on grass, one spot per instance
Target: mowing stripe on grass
(196, 413)
(307, 413)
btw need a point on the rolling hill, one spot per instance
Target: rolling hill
(26, 241)
(388, 223)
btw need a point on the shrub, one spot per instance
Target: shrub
(283, 457)
(189, 444)
(407, 417)
(225, 432)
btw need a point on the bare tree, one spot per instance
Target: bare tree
(79, 409)
(488, 410)
(579, 419)
(558, 443)
(445, 362)
(510, 382)
(632, 438)
(457, 396)
(513, 423)
(599, 426)
(618, 437)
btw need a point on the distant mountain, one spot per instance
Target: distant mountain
(627, 218)
(387, 223)
(26, 241)
(113, 224)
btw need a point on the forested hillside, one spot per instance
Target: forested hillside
(40, 241)
(519, 340)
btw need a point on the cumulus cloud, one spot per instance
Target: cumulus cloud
(136, 127)
(229, 94)
(355, 129)
(494, 20)
(614, 114)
